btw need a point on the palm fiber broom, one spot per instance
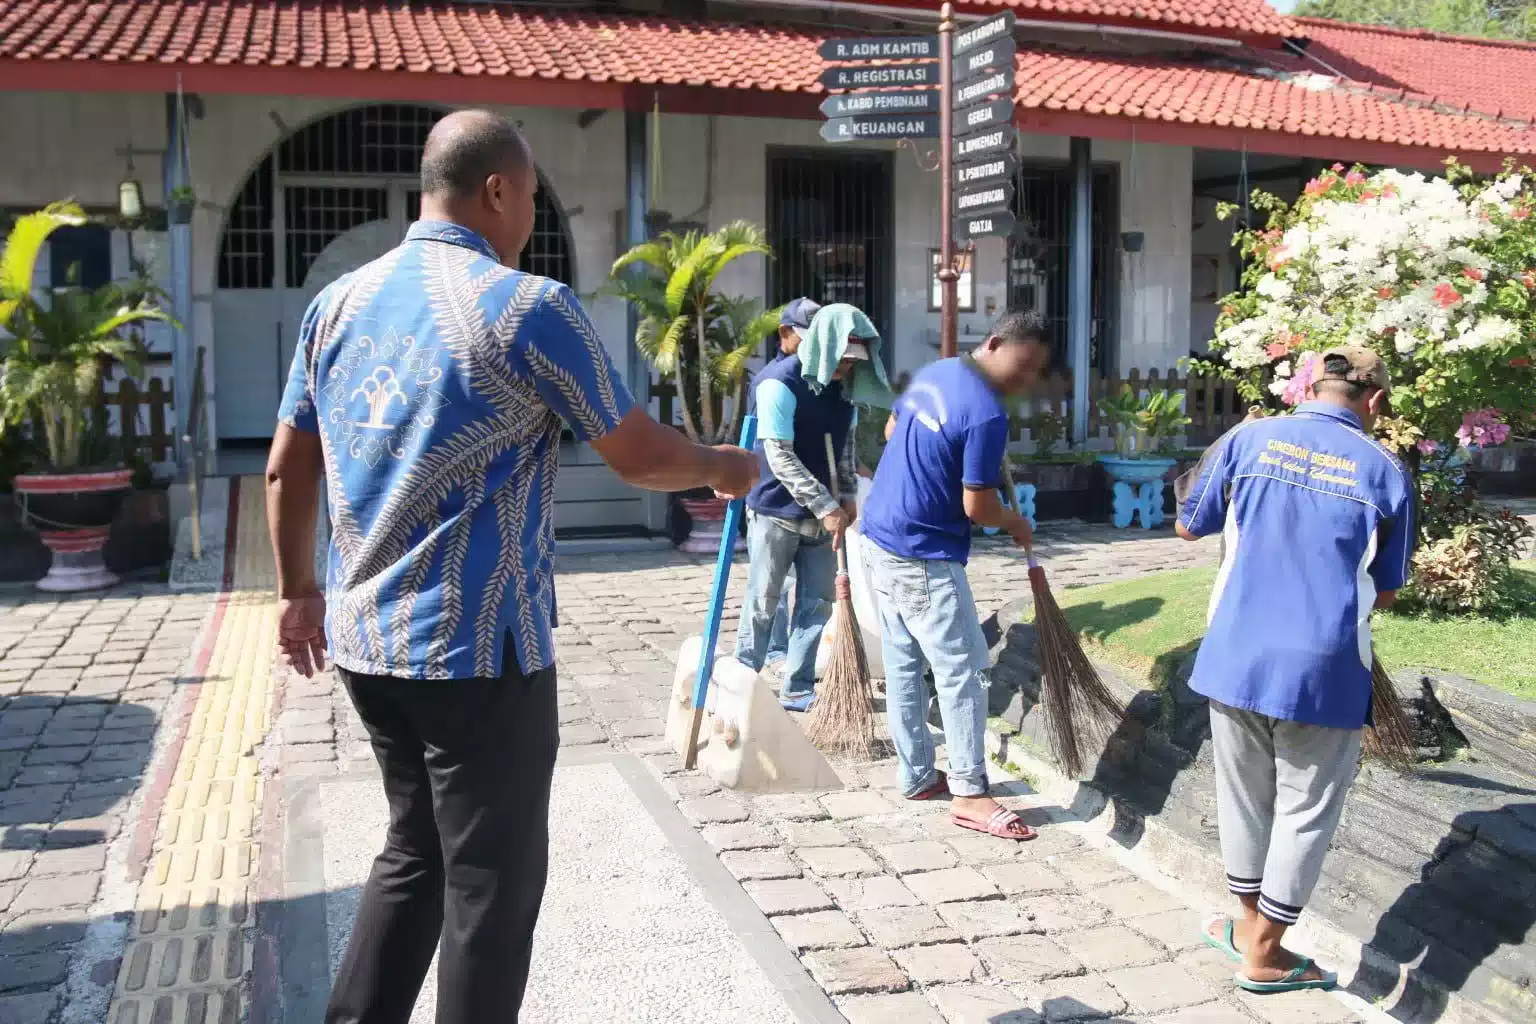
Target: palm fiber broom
(1391, 739)
(842, 720)
(1081, 712)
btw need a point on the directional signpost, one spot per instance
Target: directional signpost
(970, 113)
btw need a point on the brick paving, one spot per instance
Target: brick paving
(894, 912)
(88, 684)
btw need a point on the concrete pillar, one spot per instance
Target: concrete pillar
(1080, 284)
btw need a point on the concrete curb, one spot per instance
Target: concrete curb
(1159, 851)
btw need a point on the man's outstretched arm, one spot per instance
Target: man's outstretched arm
(646, 454)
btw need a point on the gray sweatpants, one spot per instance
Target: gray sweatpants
(1280, 789)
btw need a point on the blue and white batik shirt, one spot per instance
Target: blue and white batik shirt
(438, 380)
(1318, 519)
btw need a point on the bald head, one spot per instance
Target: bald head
(465, 148)
(477, 171)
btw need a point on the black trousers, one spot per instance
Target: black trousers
(467, 768)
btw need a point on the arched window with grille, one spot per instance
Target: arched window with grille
(380, 141)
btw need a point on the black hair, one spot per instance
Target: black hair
(1021, 326)
(467, 147)
(1336, 366)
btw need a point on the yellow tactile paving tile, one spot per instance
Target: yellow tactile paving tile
(189, 953)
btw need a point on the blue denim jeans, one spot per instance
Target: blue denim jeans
(927, 614)
(774, 552)
(778, 640)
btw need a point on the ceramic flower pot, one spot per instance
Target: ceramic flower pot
(706, 521)
(1137, 487)
(73, 513)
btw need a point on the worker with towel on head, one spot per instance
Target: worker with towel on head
(794, 520)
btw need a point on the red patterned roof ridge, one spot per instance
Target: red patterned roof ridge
(458, 43)
(1492, 76)
(1247, 18)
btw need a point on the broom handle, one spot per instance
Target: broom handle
(1013, 503)
(842, 549)
(732, 527)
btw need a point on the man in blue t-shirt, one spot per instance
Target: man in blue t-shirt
(939, 476)
(1317, 519)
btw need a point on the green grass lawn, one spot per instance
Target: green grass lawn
(1146, 625)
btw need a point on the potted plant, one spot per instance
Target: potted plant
(1144, 426)
(699, 338)
(59, 346)
(179, 204)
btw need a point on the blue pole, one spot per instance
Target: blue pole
(1080, 284)
(637, 203)
(733, 514)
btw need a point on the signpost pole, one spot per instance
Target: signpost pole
(948, 276)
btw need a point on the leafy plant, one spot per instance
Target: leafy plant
(1048, 430)
(1143, 423)
(688, 330)
(62, 343)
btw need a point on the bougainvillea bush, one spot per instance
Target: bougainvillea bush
(1438, 275)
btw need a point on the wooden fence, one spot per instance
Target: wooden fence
(1212, 403)
(145, 421)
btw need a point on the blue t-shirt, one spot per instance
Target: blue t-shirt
(1318, 518)
(951, 433)
(788, 410)
(438, 380)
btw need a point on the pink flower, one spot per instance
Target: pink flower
(1300, 386)
(1277, 349)
(1528, 278)
(1474, 273)
(1319, 186)
(1428, 447)
(1385, 292)
(1482, 428)
(1354, 178)
(1520, 362)
(1446, 295)
(1520, 212)
(1338, 167)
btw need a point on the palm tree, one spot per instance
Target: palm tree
(58, 347)
(687, 329)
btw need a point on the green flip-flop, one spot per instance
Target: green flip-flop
(1292, 982)
(1225, 943)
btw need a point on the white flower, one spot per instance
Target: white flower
(1278, 385)
(1273, 287)
(1488, 330)
(1283, 368)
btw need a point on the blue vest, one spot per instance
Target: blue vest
(815, 417)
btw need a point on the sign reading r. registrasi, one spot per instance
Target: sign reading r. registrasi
(1293, 458)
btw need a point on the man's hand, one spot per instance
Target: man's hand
(735, 471)
(835, 522)
(851, 510)
(1018, 528)
(301, 633)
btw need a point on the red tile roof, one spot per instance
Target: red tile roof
(498, 45)
(1248, 18)
(1488, 75)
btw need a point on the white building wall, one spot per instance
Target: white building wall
(67, 144)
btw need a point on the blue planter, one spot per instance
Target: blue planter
(1137, 488)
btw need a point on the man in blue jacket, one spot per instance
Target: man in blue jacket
(794, 322)
(1317, 519)
(795, 521)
